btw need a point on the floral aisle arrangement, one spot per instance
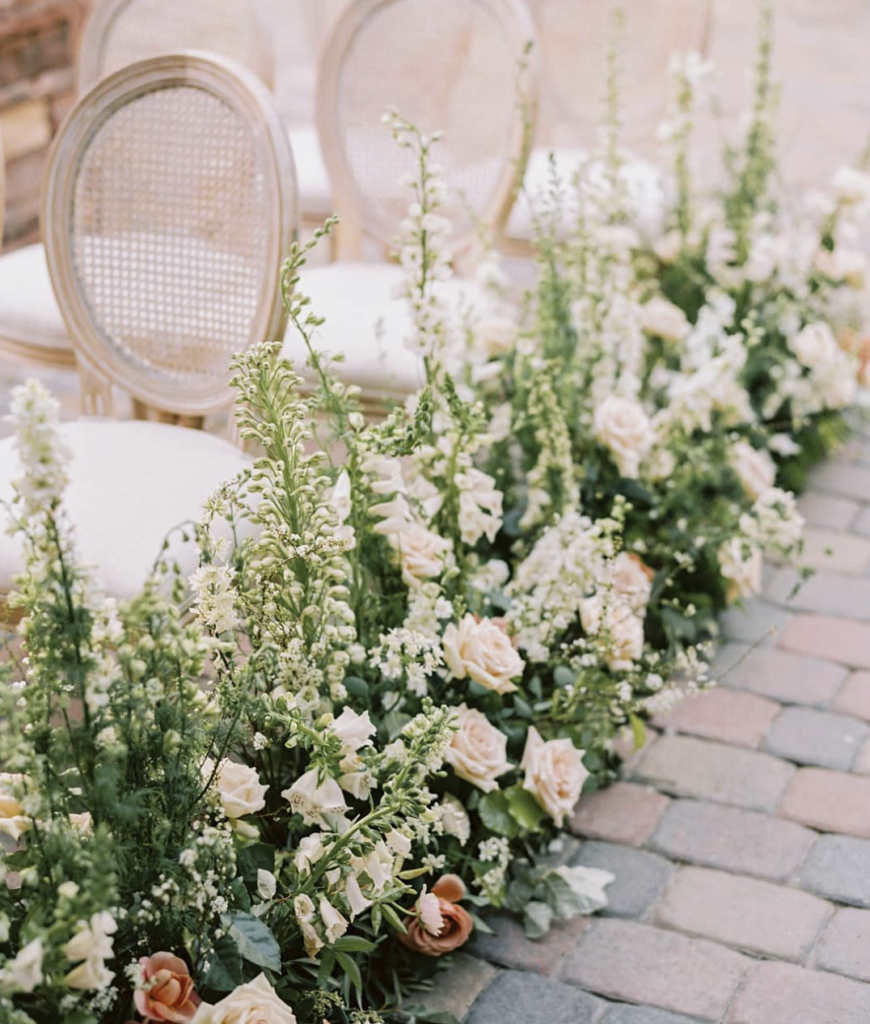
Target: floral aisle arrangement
(141, 874)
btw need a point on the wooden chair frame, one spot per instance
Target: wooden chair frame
(357, 218)
(100, 365)
(89, 68)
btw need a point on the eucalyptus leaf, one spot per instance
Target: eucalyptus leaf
(537, 920)
(255, 941)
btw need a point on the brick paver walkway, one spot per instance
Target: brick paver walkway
(739, 837)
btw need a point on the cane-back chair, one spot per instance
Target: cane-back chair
(451, 66)
(2, 189)
(575, 37)
(169, 205)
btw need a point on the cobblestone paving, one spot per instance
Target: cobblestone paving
(739, 837)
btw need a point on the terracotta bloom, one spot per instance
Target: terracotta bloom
(433, 930)
(167, 990)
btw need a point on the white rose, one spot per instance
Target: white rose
(478, 751)
(482, 651)
(756, 469)
(253, 1003)
(624, 428)
(632, 580)
(421, 553)
(496, 335)
(851, 185)
(554, 774)
(13, 821)
(664, 320)
(741, 565)
(814, 345)
(239, 788)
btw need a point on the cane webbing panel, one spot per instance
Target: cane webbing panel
(170, 232)
(449, 65)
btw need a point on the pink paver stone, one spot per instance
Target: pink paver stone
(835, 551)
(785, 994)
(623, 813)
(829, 801)
(722, 714)
(744, 912)
(854, 696)
(823, 636)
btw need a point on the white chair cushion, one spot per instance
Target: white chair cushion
(131, 482)
(28, 310)
(639, 177)
(315, 191)
(368, 325)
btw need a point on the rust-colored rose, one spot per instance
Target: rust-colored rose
(456, 923)
(167, 991)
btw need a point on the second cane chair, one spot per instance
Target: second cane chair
(449, 65)
(170, 202)
(575, 36)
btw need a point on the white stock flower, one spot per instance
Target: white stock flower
(313, 800)
(13, 821)
(214, 594)
(554, 774)
(23, 973)
(851, 185)
(478, 750)
(755, 468)
(333, 920)
(482, 651)
(44, 454)
(664, 320)
(842, 264)
(253, 1003)
(480, 506)
(624, 428)
(741, 564)
(454, 817)
(495, 336)
(93, 945)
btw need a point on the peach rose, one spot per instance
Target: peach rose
(554, 774)
(253, 1003)
(433, 930)
(477, 751)
(482, 651)
(624, 629)
(632, 580)
(167, 989)
(421, 553)
(624, 428)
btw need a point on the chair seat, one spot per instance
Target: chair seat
(368, 325)
(29, 314)
(130, 484)
(640, 178)
(315, 191)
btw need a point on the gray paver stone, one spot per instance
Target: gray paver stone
(844, 946)
(626, 1014)
(519, 998)
(810, 736)
(640, 876)
(839, 867)
(468, 978)
(509, 947)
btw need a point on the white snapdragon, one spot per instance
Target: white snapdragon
(215, 597)
(93, 946)
(42, 450)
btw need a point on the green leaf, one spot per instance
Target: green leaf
(327, 962)
(252, 859)
(564, 676)
(393, 917)
(353, 944)
(423, 1016)
(638, 731)
(495, 813)
(256, 942)
(350, 968)
(537, 920)
(356, 687)
(225, 972)
(377, 918)
(524, 808)
(522, 708)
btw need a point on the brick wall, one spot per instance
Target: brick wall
(38, 40)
